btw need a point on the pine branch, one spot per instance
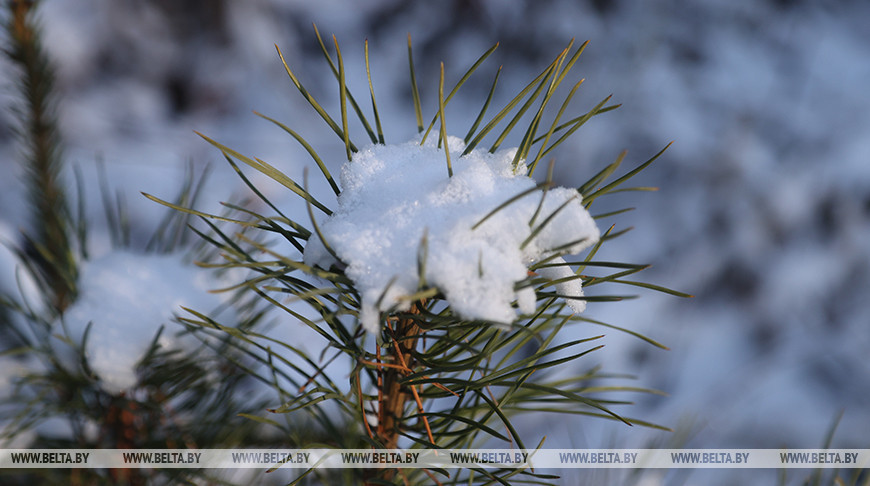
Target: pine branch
(49, 243)
(423, 376)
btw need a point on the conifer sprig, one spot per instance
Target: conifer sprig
(49, 242)
(429, 378)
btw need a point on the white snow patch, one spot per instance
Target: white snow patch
(125, 297)
(395, 195)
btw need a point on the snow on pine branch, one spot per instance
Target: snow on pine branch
(124, 298)
(393, 195)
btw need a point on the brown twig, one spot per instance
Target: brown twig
(392, 395)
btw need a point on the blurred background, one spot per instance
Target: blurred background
(763, 211)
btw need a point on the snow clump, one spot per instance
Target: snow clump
(125, 297)
(393, 195)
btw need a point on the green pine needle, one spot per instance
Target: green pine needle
(309, 149)
(372, 91)
(458, 85)
(415, 93)
(314, 104)
(338, 77)
(443, 137)
(483, 108)
(342, 89)
(271, 172)
(610, 187)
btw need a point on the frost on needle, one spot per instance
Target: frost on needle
(396, 198)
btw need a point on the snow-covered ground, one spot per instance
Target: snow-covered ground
(764, 207)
